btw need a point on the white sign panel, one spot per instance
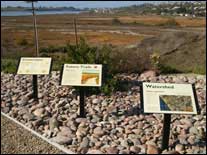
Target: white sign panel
(81, 75)
(34, 65)
(168, 98)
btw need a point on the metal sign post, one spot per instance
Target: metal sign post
(35, 87)
(34, 79)
(166, 131)
(82, 102)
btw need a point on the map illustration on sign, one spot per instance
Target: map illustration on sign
(90, 78)
(34, 65)
(168, 98)
(176, 103)
(81, 75)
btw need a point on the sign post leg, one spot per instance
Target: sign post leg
(82, 102)
(35, 91)
(166, 131)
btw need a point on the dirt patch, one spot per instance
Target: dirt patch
(17, 140)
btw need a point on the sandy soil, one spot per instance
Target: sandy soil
(17, 140)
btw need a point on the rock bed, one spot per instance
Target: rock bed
(113, 124)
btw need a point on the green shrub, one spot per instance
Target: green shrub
(199, 69)
(85, 54)
(53, 49)
(165, 69)
(129, 61)
(155, 60)
(9, 65)
(170, 22)
(160, 67)
(116, 21)
(23, 42)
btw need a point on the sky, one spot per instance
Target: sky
(77, 4)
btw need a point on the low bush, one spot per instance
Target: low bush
(130, 61)
(53, 49)
(9, 65)
(116, 21)
(160, 67)
(23, 42)
(199, 69)
(170, 22)
(165, 69)
(85, 54)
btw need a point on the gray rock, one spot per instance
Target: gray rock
(79, 120)
(81, 132)
(62, 140)
(41, 104)
(136, 141)
(152, 149)
(65, 131)
(84, 143)
(29, 95)
(53, 123)
(96, 101)
(191, 140)
(94, 152)
(179, 148)
(137, 131)
(183, 140)
(6, 109)
(135, 149)
(112, 150)
(125, 151)
(148, 74)
(193, 130)
(28, 117)
(170, 152)
(95, 119)
(124, 143)
(191, 80)
(143, 148)
(98, 131)
(38, 122)
(22, 111)
(23, 101)
(61, 103)
(104, 103)
(39, 112)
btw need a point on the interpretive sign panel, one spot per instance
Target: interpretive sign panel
(81, 75)
(34, 65)
(168, 98)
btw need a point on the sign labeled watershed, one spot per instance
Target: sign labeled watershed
(168, 98)
(34, 65)
(81, 75)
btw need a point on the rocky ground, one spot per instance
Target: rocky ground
(113, 124)
(17, 140)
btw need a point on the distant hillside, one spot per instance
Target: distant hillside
(19, 8)
(184, 51)
(193, 8)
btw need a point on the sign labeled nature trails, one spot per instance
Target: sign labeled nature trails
(34, 65)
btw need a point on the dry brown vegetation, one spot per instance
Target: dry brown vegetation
(121, 31)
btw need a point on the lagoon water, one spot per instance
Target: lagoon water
(28, 13)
